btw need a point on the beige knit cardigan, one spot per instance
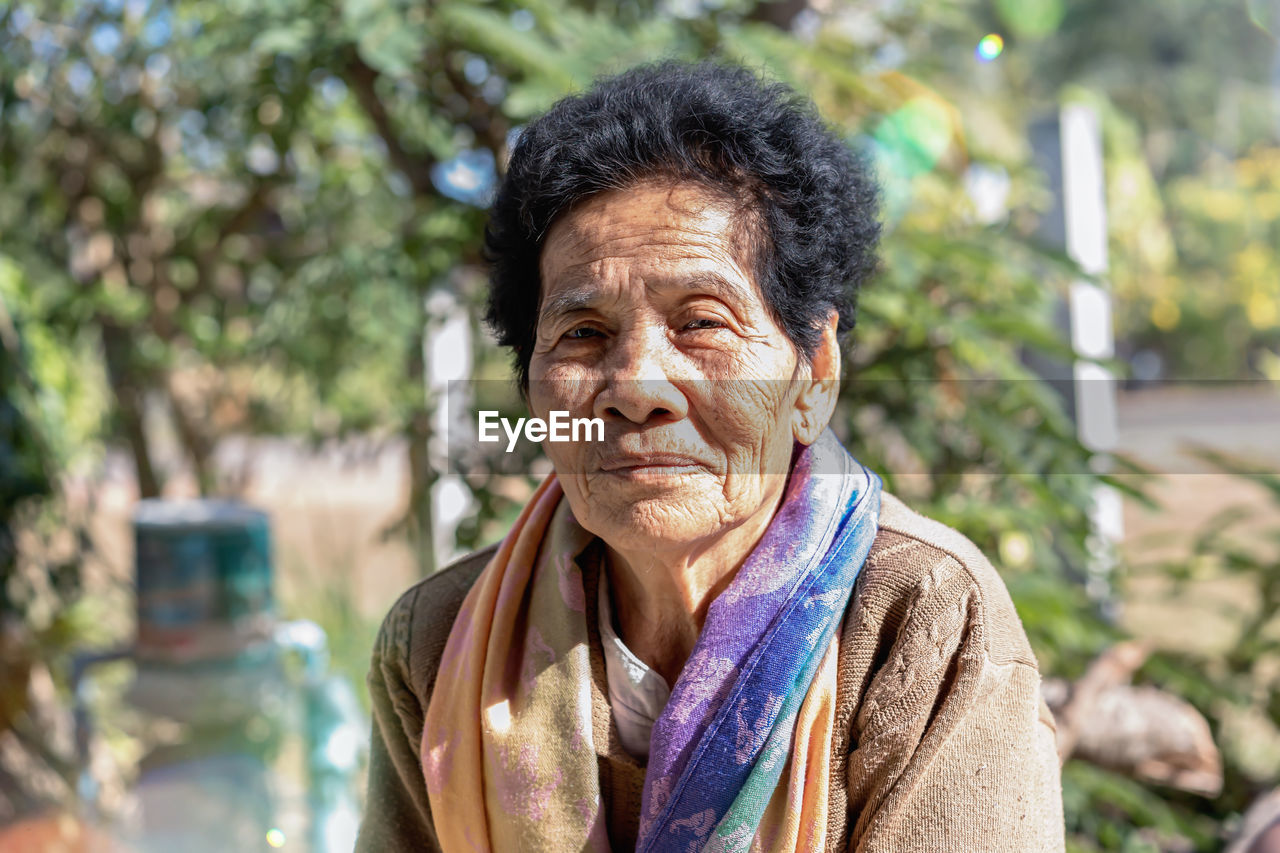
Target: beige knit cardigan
(942, 742)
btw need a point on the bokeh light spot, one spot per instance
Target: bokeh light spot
(1262, 310)
(991, 46)
(275, 837)
(1015, 549)
(908, 143)
(1165, 314)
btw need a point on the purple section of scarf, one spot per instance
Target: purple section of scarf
(797, 538)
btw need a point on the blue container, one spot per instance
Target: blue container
(204, 580)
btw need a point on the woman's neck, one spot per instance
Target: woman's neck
(661, 597)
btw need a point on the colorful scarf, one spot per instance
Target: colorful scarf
(739, 758)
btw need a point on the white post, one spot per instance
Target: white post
(448, 359)
(1092, 335)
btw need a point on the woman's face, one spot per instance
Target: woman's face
(651, 320)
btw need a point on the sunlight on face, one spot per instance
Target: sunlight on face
(651, 320)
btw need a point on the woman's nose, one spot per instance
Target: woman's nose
(638, 380)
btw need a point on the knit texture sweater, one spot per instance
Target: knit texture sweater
(942, 741)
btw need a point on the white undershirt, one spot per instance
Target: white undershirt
(637, 692)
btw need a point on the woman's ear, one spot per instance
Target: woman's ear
(817, 399)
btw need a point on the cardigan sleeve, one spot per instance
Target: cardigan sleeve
(397, 814)
(953, 747)
(402, 675)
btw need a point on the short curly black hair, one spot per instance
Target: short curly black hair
(711, 123)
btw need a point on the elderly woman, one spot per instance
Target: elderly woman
(711, 630)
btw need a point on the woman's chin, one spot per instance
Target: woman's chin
(654, 521)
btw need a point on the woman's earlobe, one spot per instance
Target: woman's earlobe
(817, 402)
(813, 410)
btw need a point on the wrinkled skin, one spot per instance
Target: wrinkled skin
(651, 320)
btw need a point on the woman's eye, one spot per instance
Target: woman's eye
(581, 333)
(703, 323)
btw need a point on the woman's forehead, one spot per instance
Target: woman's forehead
(681, 233)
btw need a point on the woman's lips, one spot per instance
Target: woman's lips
(647, 463)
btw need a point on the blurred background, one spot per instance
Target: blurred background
(239, 261)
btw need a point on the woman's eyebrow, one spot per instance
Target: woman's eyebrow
(568, 301)
(714, 283)
(579, 297)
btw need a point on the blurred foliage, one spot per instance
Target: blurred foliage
(1237, 684)
(42, 554)
(239, 218)
(1187, 94)
(1106, 811)
(1208, 312)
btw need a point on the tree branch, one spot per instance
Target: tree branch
(488, 123)
(362, 79)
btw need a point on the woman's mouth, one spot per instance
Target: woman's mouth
(648, 464)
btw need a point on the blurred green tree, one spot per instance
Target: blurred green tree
(42, 555)
(1187, 93)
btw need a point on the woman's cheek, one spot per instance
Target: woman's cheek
(563, 388)
(750, 357)
(747, 410)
